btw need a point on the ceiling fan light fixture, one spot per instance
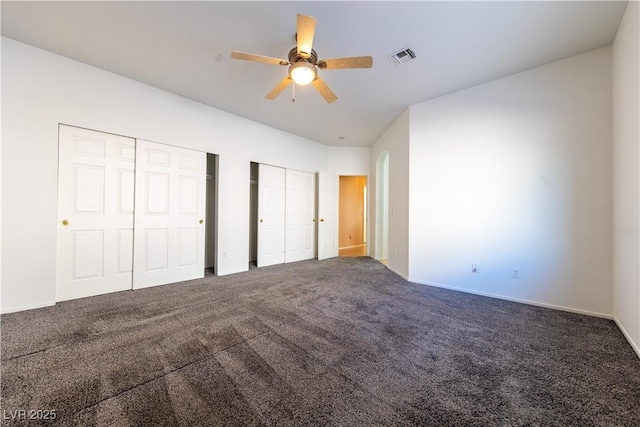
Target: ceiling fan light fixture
(302, 73)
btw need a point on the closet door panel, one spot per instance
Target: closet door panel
(309, 214)
(271, 215)
(170, 210)
(300, 216)
(95, 213)
(328, 199)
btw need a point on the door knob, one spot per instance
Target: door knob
(65, 222)
(201, 221)
(260, 220)
(321, 219)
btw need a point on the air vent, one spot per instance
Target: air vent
(402, 57)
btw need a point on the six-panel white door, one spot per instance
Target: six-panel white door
(271, 215)
(300, 216)
(328, 199)
(95, 213)
(170, 211)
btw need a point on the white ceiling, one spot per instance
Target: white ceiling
(184, 48)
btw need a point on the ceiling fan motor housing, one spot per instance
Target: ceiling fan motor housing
(294, 56)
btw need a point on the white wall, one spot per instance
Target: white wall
(626, 177)
(517, 173)
(349, 160)
(40, 90)
(395, 141)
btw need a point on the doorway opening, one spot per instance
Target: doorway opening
(352, 228)
(211, 215)
(382, 208)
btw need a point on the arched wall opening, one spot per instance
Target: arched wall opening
(382, 207)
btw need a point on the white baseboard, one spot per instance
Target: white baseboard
(635, 346)
(27, 307)
(519, 300)
(398, 273)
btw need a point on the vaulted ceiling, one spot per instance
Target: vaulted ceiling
(184, 48)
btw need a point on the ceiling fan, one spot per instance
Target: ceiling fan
(303, 62)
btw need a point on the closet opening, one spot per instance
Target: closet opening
(282, 225)
(253, 215)
(211, 215)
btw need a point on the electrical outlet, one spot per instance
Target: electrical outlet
(515, 273)
(475, 268)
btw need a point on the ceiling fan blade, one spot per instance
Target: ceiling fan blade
(304, 36)
(258, 58)
(353, 62)
(277, 89)
(324, 90)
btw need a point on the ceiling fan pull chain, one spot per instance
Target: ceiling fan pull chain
(293, 92)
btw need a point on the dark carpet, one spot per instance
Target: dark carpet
(339, 342)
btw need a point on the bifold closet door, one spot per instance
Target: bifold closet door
(271, 215)
(170, 210)
(95, 213)
(328, 199)
(300, 216)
